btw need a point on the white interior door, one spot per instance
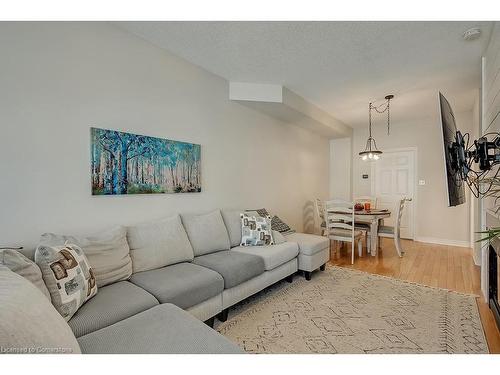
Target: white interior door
(393, 178)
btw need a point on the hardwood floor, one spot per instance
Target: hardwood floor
(435, 265)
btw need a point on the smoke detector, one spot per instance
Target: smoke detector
(472, 34)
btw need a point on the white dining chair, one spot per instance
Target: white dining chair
(395, 232)
(320, 212)
(340, 224)
(373, 205)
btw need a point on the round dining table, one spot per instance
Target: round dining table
(372, 217)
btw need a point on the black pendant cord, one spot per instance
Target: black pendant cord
(386, 108)
(371, 151)
(370, 140)
(370, 106)
(388, 116)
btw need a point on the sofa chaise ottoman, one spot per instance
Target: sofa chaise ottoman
(161, 329)
(314, 251)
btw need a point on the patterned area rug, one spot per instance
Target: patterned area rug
(347, 311)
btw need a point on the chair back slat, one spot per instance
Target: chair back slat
(338, 205)
(339, 217)
(339, 225)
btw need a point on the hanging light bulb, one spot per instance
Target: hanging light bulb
(370, 156)
(376, 157)
(364, 157)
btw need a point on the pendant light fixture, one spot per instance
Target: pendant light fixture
(371, 152)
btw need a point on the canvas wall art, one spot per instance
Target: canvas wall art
(125, 163)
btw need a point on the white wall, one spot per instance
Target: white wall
(490, 95)
(341, 168)
(436, 222)
(59, 79)
(475, 213)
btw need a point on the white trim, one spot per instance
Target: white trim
(443, 241)
(485, 282)
(415, 181)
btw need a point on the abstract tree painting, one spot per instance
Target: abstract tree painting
(125, 163)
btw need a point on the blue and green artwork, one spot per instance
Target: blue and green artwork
(125, 163)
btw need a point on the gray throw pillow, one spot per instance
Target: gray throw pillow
(207, 232)
(280, 226)
(159, 244)
(21, 265)
(232, 221)
(260, 211)
(108, 253)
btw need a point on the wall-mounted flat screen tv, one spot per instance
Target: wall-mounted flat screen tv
(454, 183)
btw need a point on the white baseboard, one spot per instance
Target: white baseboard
(443, 241)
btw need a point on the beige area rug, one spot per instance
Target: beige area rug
(346, 311)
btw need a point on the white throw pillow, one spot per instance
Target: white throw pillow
(255, 231)
(68, 276)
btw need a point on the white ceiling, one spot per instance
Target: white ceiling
(339, 66)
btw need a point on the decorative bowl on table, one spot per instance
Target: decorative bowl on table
(359, 207)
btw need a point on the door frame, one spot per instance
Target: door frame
(415, 181)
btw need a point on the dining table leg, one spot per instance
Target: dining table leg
(374, 237)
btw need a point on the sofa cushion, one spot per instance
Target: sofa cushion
(159, 244)
(113, 303)
(163, 329)
(274, 255)
(29, 323)
(68, 276)
(107, 252)
(232, 221)
(183, 284)
(235, 267)
(24, 267)
(206, 232)
(309, 244)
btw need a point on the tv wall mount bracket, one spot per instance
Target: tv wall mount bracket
(485, 152)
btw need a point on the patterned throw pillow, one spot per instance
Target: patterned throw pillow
(68, 276)
(280, 226)
(255, 231)
(261, 212)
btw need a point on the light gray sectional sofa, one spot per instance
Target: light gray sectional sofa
(186, 269)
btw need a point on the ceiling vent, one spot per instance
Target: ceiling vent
(472, 34)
